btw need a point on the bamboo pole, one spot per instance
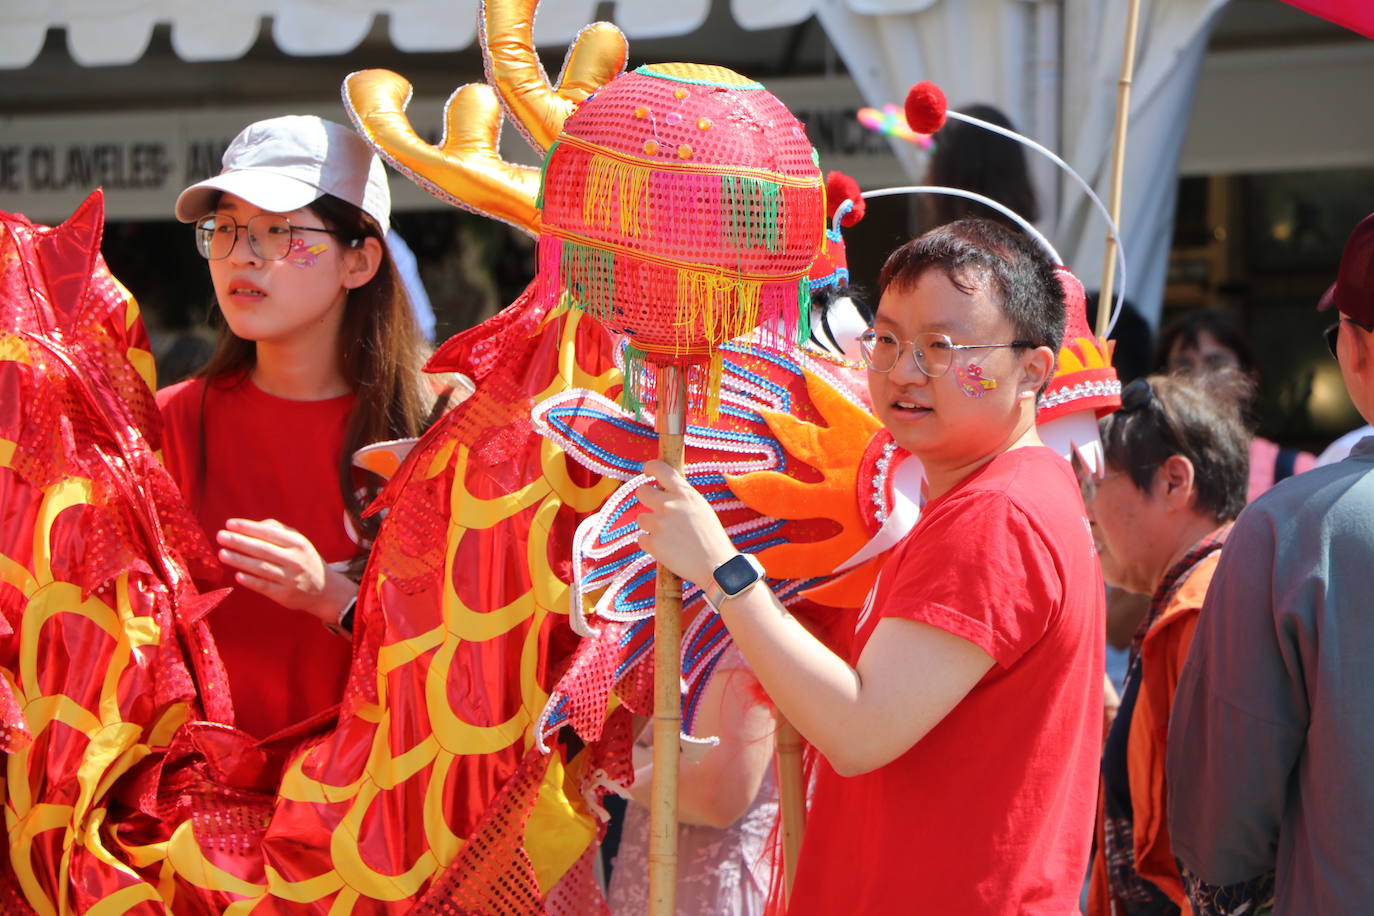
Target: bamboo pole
(792, 795)
(1123, 113)
(671, 424)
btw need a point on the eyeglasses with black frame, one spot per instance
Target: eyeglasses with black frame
(1333, 332)
(269, 235)
(932, 353)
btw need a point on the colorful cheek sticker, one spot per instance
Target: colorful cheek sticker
(301, 256)
(971, 381)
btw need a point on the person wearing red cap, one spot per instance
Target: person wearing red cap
(1273, 723)
(1339, 449)
(961, 732)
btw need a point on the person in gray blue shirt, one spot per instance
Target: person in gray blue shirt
(1271, 741)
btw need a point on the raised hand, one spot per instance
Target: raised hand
(279, 562)
(679, 528)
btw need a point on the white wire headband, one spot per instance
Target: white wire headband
(930, 102)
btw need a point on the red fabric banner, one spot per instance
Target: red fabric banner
(1355, 15)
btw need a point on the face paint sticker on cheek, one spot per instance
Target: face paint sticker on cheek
(971, 381)
(301, 256)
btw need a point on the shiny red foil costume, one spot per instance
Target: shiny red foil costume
(129, 790)
(103, 647)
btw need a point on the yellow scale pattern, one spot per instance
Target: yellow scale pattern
(112, 745)
(558, 832)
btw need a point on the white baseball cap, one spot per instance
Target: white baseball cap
(283, 164)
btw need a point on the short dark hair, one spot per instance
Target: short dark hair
(1223, 327)
(969, 250)
(1196, 416)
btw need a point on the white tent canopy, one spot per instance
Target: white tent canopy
(1008, 53)
(113, 32)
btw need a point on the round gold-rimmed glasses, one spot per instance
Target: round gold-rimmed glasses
(933, 353)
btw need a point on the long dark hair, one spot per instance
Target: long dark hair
(381, 352)
(976, 159)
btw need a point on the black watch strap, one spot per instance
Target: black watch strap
(344, 625)
(346, 618)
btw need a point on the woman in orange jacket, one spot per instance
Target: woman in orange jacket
(1175, 477)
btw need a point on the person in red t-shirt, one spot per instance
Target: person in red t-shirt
(320, 355)
(961, 738)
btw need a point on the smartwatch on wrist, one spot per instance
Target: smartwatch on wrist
(732, 578)
(344, 626)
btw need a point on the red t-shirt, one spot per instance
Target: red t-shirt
(992, 811)
(266, 457)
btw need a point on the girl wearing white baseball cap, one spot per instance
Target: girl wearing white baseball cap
(319, 354)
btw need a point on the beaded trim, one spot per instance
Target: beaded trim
(655, 70)
(1099, 389)
(838, 277)
(816, 352)
(881, 500)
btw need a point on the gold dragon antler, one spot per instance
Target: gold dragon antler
(596, 57)
(466, 168)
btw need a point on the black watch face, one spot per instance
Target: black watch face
(735, 575)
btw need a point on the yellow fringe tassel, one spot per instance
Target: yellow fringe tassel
(714, 307)
(713, 380)
(825, 222)
(627, 184)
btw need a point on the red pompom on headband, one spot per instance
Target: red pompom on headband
(839, 187)
(925, 107)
